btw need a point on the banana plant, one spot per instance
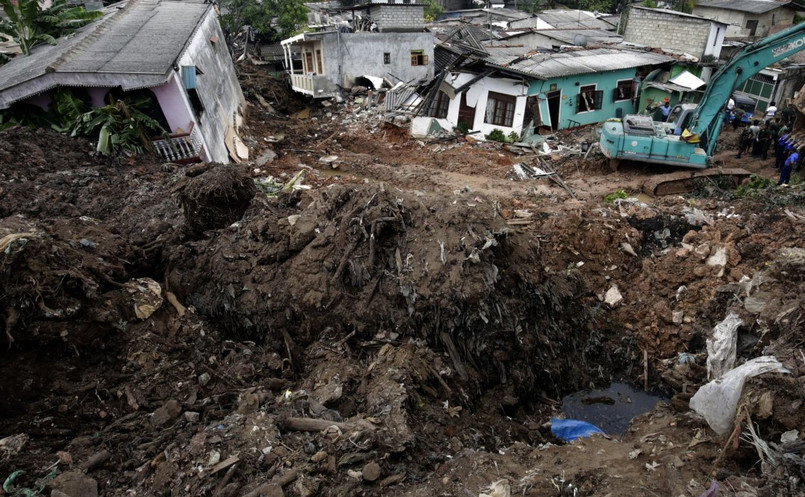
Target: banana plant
(30, 25)
(119, 126)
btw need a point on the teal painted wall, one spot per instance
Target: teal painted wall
(606, 81)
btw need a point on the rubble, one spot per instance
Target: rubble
(406, 324)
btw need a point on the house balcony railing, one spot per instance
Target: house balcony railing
(180, 148)
(311, 84)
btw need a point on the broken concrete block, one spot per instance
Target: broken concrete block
(613, 296)
(267, 156)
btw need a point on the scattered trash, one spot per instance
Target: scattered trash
(500, 488)
(721, 347)
(717, 401)
(571, 429)
(147, 296)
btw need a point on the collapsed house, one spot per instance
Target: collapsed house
(481, 88)
(170, 52)
(384, 41)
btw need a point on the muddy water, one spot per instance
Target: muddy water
(611, 409)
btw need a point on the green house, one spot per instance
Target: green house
(502, 88)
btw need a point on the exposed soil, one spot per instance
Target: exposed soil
(405, 323)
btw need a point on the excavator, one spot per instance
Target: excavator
(689, 139)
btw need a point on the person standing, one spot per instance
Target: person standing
(745, 141)
(780, 151)
(665, 109)
(789, 114)
(754, 130)
(785, 172)
(771, 111)
(737, 117)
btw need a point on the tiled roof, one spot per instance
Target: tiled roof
(140, 39)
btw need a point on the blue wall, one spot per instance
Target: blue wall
(606, 81)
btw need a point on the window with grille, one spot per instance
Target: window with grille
(387, 58)
(623, 91)
(589, 99)
(500, 109)
(418, 58)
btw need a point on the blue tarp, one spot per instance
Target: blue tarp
(571, 429)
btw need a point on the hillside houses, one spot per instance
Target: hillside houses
(499, 68)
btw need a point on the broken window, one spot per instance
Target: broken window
(500, 109)
(751, 25)
(624, 90)
(418, 58)
(189, 74)
(440, 105)
(319, 65)
(589, 99)
(309, 63)
(387, 58)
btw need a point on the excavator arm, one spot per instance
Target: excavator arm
(749, 61)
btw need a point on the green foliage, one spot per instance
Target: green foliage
(513, 137)
(755, 184)
(275, 19)
(652, 4)
(432, 10)
(462, 128)
(29, 25)
(118, 127)
(496, 135)
(619, 193)
(685, 6)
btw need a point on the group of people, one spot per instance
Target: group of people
(772, 132)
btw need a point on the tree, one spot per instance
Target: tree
(29, 25)
(275, 19)
(432, 10)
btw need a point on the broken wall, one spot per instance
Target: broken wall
(364, 54)
(218, 87)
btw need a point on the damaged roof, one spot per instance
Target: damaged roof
(574, 36)
(749, 6)
(573, 19)
(555, 65)
(134, 45)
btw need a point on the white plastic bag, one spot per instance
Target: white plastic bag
(721, 348)
(718, 400)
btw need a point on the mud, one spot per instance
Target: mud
(406, 326)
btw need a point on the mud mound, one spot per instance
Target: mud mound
(216, 198)
(60, 273)
(364, 261)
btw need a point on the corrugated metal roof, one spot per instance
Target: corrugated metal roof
(555, 65)
(572, 19)
(143, 38)
(568, 36)
(674, 13)
(750, 6)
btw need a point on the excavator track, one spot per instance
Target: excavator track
(683, 181)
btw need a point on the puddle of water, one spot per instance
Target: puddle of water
(611, 409)
(646, 199)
